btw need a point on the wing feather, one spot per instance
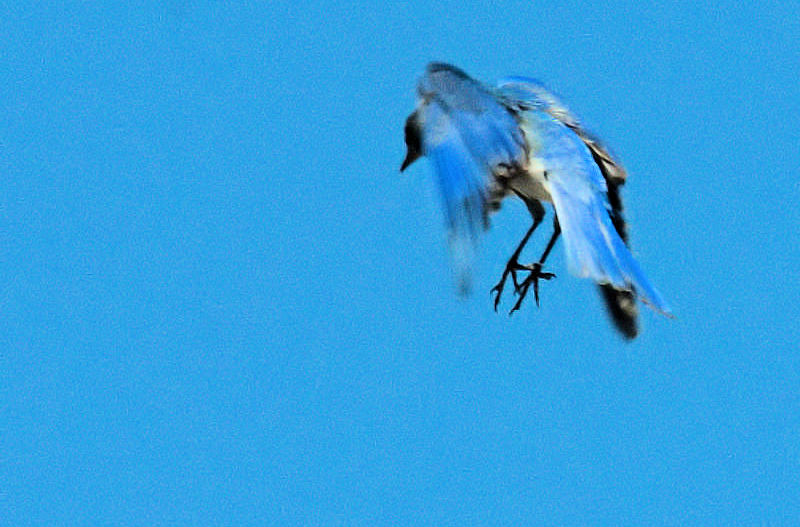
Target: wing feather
(578, 189)
(469, 136)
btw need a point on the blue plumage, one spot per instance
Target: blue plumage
(486, 143)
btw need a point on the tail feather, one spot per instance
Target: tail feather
(621, 305)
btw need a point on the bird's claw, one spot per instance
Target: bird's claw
(511, 269)
(533, 278)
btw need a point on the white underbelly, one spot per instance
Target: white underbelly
(531, 184)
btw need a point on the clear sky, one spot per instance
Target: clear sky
(221, 304)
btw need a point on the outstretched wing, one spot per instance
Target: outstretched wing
(470, 138)
(579, 190)
(621, 304)
(539, 97)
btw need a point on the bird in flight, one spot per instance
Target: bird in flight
(516, 138)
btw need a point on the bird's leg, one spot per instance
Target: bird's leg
(536, 271)
(512, 266)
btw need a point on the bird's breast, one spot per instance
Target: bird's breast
(531, 183)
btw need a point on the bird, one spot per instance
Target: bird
(486, 143)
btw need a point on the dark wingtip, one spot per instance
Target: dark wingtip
(621, 307)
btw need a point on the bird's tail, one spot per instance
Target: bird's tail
(621, 305)
(622, 309)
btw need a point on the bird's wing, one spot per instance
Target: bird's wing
(472, 139)
(579, 192)
(621, 304)
(534, 92)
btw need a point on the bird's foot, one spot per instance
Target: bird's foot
(511, 270)
(533, 278)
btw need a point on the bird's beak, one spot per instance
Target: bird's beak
(413, 141)
(411, 156)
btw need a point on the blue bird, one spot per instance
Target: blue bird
(486, 143)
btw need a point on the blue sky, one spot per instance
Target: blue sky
(222, 304)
